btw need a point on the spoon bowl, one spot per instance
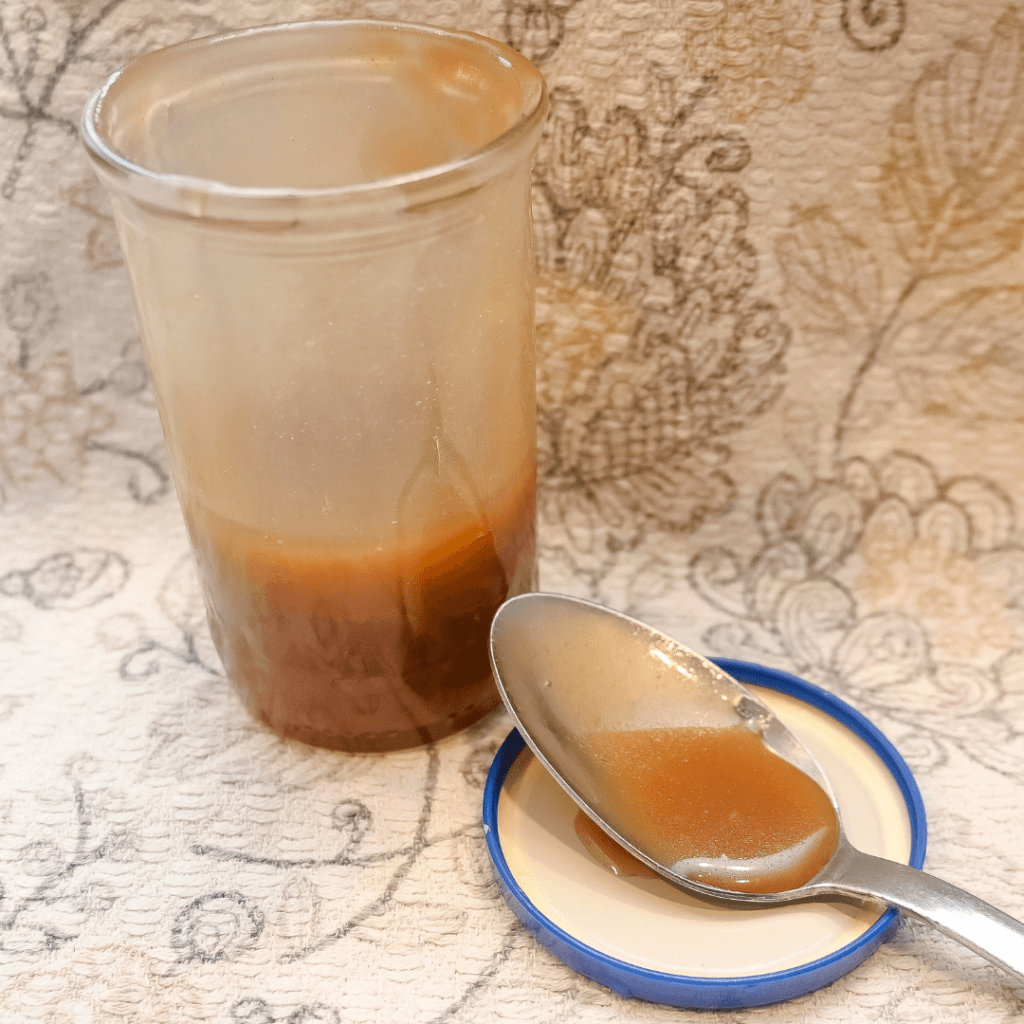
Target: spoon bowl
(569, 670)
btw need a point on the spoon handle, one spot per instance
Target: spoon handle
(978, 925)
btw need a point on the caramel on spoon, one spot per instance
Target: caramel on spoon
(694, 776)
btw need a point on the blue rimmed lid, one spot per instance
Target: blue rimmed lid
(570, 943)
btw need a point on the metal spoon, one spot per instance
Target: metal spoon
(568, 668)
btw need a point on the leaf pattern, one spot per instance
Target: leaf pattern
(965, 358)
(832, 275)
(953, 187)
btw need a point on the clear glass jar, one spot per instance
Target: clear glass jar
(327, 229)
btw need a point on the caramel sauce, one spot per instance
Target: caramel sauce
(715, 804)
(363, 649)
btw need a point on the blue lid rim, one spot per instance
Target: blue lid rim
(713, 993)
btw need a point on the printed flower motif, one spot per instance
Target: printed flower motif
(953, 187)
(314, 1013)
(47, 425)
(1010, 674)
(29, 305)
(629, 441)
(119, 982)
(760, 53)
(561, 166)
(151, 28)
(252, 1010)
(181, 599)
(73, 579)
(878, 583)
(25, 34)
(42, 41)
(294, 916)
(44, 420)
(536, 27)
(874, 25)
(954, 192)
(220, 926)
(651, 346)
(477, 764)
(101, 245)
(44, 424)
(353, 819)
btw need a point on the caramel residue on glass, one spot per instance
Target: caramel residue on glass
(452, 100)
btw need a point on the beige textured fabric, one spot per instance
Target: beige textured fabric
(782, 413)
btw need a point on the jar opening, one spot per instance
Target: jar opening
(313, 108)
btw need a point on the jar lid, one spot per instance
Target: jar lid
(651, 940)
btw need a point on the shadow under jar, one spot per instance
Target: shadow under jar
(327, 229)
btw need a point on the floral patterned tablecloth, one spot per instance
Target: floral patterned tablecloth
(780, 309)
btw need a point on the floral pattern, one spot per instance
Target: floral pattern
(760, 54)
(880, 585)
(653, 347)
(780, 381)
(964, 359)
(950, 192)
(101, 246)
(953, 186)
(536, 28)
(217, 927)
(45, 425)
(874, 25)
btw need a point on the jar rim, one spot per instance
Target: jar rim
(196, 196)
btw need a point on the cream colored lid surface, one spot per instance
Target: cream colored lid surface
(651, 924)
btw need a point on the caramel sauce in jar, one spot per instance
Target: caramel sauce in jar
(716, 804)
(379, 648)
(328, 229)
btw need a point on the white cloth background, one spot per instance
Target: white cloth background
(782, 410)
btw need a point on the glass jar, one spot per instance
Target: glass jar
(327, 229)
